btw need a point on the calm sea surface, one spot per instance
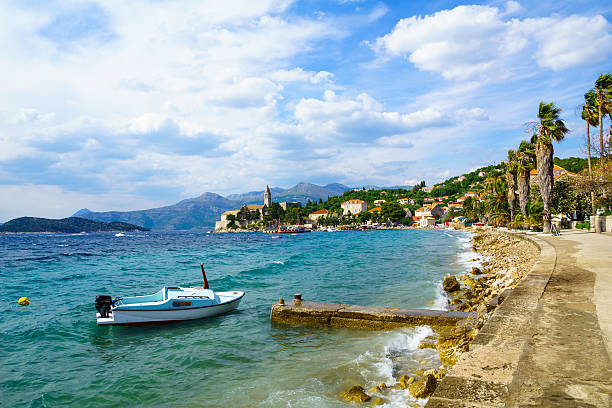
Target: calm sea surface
(54, 354)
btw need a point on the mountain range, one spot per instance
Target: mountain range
(203, 211)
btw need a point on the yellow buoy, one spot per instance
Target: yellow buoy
(23, 301)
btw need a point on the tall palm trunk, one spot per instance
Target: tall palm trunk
(588, 142)
(523, 190)
(544, 154)
(511, 194)
(601, 141)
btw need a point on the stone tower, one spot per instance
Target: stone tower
(267, 197)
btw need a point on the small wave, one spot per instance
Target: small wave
(441, 300)
(66, 254)
(278, 262)
(400, 355)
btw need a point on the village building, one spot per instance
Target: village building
(429, 210)
(247, 214)
(378, 203)
(293, 204)
(558, 172)
(374, 209)
(406, 201)
(429, 199)
(427, 189)
(354, 206)
(314, 216)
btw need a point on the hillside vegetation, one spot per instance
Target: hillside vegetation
(66, 225)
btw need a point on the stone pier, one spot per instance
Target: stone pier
(362, 317)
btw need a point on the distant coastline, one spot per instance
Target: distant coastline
(71, 225)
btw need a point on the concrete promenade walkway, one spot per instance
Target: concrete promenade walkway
(567, 362)
(549, 343)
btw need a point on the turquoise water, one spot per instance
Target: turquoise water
(54, 354)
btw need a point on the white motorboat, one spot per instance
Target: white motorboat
(120, 234)
(170, 304)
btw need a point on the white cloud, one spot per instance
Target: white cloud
(571, 41)
(362, 119)
(512, 7)
(478, 114)
(478, 42)
(31, 115)
(299, 75)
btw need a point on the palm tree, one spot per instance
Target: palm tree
(603, 93)
(496, 204)
(590, 115)
(511, 170)
(525, 162)
(548, 128)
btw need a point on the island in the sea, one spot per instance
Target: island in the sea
(65, 225)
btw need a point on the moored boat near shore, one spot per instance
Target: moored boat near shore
(170, 304)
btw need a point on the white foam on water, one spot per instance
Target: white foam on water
(378, 367)
(278, 262)
(468, 257)
(441, 300)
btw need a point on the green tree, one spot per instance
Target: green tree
(496, 204)
(549, 128)
(511, 171)
(392, 211)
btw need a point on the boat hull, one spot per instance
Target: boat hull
(145, 317)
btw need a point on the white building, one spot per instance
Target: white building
(314, 216)
(378, 203)
(429, 211)
(354, 206)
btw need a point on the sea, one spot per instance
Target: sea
(54, 355)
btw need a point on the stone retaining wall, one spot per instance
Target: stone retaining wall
(605, 223)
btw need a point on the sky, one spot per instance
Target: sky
(119, 105)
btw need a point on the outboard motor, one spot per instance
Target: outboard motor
(103, 304)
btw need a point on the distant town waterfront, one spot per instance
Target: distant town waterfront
(55, 355)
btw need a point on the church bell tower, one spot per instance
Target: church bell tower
(267, 197)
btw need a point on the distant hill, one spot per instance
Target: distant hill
(254, 197)
(67, 225)
(301, 192)
(191, 213)
(575, 164)
(203, 211)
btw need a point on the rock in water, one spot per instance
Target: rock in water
(450, 284)
(424, 387)
(355, 394)
(476, 271)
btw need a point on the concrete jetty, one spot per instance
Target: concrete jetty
(298, 311)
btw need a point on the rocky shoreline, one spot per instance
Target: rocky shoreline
(503, 261)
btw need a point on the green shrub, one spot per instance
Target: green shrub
(584, 225)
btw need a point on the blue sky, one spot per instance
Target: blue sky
(116, 105)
